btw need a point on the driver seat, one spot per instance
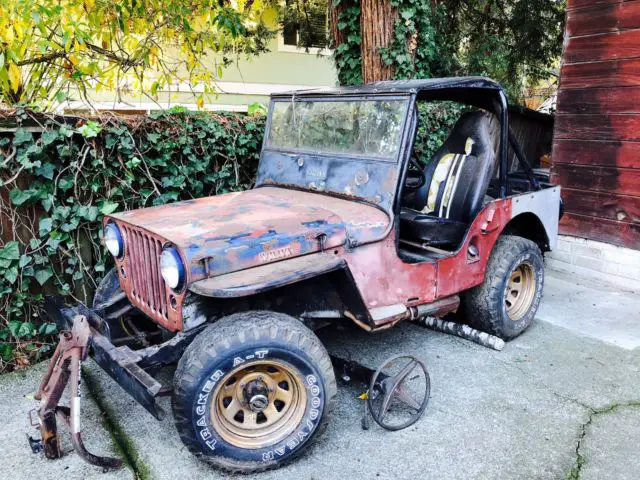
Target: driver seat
(456, 180)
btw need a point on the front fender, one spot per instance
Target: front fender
(266, 277)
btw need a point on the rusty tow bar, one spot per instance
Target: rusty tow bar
(65, 365)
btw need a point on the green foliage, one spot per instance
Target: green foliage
(423, 44)
(347, 57)
(53, 49)
(435, 121)
(517, 43)
(76, 171)
(257, 108)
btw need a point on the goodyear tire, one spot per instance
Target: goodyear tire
(253, 391)
(508, 299)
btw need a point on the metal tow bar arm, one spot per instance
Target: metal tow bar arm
(65, 364)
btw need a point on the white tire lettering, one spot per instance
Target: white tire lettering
(237, 361)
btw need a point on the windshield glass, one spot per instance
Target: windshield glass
(370, 128)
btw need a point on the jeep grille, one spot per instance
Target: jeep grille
(147, 290)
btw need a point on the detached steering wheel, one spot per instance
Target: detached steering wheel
(415, 176)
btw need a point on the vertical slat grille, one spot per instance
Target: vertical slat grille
(147, 285)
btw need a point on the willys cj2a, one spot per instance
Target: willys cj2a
(345, 224)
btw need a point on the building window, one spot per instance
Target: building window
(305, 25)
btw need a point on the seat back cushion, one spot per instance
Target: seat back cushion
(458, 176)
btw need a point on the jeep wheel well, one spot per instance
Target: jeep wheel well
(333, 291)
(529, 226)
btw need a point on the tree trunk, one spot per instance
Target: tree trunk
(377, 19)
(337, 35)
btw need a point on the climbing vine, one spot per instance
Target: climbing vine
(58, 178)
(518, 42)
(347, 54)
(421, 46)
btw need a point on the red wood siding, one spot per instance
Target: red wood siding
(608, 18)
(596, 152)
(617, 100)
(617, 73)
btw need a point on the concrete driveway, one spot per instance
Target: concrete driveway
(553, 404)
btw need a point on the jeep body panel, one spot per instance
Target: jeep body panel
(272, 275)
(230, 233)
(314, 212)
(236, 231)
(384, 280)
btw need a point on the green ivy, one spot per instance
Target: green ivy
(435, 122)
(57, 184)
(422, 46)
(347, 57)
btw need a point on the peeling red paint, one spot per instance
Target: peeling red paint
(384, 279)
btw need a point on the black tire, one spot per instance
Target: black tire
(485, 306)
(219, 351)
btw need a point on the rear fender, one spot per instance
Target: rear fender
(535, 215)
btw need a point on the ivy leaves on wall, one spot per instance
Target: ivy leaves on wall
(60, 176)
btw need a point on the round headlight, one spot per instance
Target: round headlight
(113, 240)
(171, 267)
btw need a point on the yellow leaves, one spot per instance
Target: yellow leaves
(200, 22)
(19, 29)
(131, 43)
(14, 77)
(54, 40)
(200, 102)
(8, 36)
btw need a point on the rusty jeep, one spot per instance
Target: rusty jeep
(345, 224)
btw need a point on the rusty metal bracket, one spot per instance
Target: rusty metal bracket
(64, 366)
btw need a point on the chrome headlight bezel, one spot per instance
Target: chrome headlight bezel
(113, 240)
(172, 268)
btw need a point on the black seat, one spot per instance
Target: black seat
(457, 178)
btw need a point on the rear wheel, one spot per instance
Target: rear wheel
(508, 299)
(253, 391)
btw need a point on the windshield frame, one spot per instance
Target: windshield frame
(340, 98)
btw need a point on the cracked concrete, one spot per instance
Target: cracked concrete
(553, 404)
(511, 414)
(608, 438)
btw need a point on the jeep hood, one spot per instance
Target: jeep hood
(235, 231)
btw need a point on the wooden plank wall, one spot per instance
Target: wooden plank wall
(596, 152)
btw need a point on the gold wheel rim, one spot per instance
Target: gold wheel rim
(236, 410)
(520, 291)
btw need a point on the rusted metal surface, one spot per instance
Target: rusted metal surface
(139, 274)
(374, 181)
(64, 366)
(384, 279)
(312, 206)
(233, 232)
(266, 277)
